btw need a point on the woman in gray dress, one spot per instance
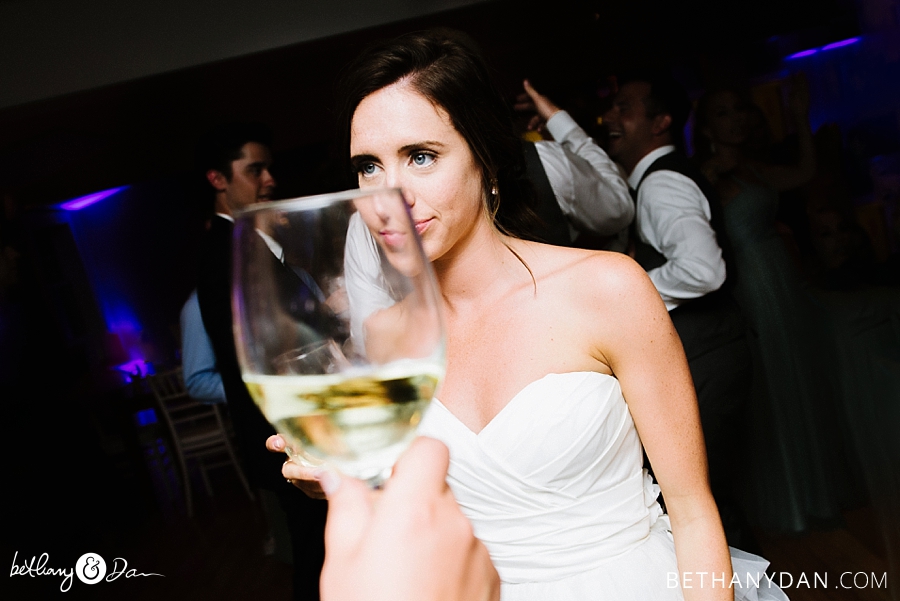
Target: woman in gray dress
(795, 468)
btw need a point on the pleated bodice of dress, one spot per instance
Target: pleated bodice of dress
(555, 487)
(554, 484)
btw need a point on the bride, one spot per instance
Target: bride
(562, 362)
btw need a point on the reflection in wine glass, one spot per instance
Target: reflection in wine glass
(343, 373)
(324, 357)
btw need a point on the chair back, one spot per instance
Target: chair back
(199, 431)
(182, 413)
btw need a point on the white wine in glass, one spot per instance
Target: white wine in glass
(337, 326)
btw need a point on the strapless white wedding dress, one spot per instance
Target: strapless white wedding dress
(555, 487)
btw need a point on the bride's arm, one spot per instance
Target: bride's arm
(645, 353)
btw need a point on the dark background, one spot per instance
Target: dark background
(145, 129)
(102, 287)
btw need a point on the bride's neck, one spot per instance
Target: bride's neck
(474, 266)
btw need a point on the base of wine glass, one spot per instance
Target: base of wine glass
(375, 482)
(302, 458)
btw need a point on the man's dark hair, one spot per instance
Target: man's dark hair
(446, 67)
(219, 147)
(666, 97)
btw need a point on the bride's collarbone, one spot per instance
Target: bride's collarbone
(544, 305)
(520, 326)
(482, 340)
(542, 337)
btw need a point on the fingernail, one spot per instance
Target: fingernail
(329, 480)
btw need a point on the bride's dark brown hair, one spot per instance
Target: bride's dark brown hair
(447, 68)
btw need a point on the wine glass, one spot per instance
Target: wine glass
(337, 326)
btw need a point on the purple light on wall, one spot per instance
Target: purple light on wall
(85, 201)
(125, 329)
(831, 46)
(809, 52)
(840, 44)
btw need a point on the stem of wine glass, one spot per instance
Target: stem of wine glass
(377, 481)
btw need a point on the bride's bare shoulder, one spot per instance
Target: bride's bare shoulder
(599, 279)
(614, 274)
(608, 270)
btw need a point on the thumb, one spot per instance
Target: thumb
(420, 473)
(350, 506)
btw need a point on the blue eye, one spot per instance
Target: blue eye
(367, 168)
(422, 159)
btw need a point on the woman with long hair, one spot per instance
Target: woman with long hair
(561, 363)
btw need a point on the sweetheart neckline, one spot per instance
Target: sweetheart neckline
(514, 397)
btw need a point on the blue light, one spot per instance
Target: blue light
(120, 319)
(809, 52)
(145, 417)
(85, 201)
(840, 44)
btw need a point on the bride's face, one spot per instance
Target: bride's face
(398, 138)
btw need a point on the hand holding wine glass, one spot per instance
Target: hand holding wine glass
(409, 542)
(342, 375)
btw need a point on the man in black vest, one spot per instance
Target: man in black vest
(235, 160)
(678, 238)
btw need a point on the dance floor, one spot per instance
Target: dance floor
(221, 553)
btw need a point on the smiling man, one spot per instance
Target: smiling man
(678, 238)
(673, 233)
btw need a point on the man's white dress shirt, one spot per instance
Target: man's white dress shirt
(673, 217)
(587, 184)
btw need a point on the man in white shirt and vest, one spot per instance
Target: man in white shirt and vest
(679, 239)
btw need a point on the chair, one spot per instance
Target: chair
(198, 431)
